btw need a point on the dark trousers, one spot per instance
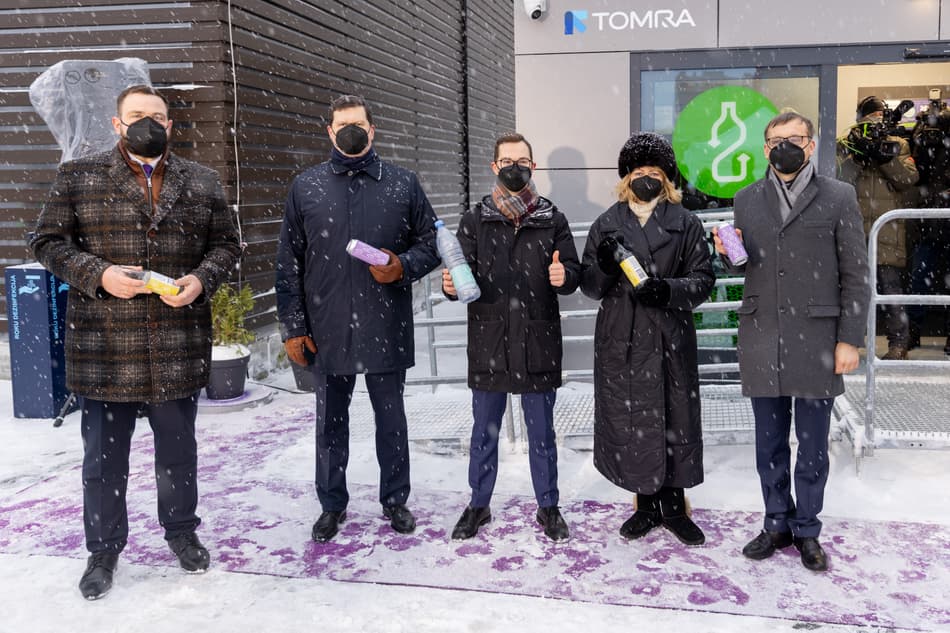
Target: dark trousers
(333, 394)
(107, 429)
(488, 407)
(773, 420)
(896, 325)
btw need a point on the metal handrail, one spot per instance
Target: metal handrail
(876, 299)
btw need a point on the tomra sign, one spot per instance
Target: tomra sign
(718, 139)
(577, 21)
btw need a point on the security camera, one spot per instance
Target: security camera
(535, 8)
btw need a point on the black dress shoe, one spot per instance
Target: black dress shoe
(327, 525)
(470, 521)
(96, 581)
(765, 544)
(192, 555)
(400, 518)
(813, 556)
(555, 528)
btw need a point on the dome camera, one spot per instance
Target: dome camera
(535, 8)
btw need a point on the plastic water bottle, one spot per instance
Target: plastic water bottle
(453, 258)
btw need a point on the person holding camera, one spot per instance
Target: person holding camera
(880, 167)
(129, 350)
(647, 426)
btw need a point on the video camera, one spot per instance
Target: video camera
(931, 151)
(868, 141)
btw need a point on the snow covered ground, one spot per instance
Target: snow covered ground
(39, 590)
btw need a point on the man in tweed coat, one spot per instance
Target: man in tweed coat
(108, 216)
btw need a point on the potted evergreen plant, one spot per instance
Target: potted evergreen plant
(229, 355)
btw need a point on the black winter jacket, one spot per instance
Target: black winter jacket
(359, 325)
(647, 425)
(514, 328)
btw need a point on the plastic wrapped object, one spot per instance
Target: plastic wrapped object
(76, 98)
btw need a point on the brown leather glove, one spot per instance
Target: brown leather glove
(387, 273)
(297, 348)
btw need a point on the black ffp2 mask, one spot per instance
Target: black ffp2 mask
(514, 177)
(787, 158)
(646, 188)
(352, 139)
(146, 138)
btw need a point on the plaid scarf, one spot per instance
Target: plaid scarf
(518, 206)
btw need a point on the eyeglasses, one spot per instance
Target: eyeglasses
(801, 141)
(132, 117)
(521, 162)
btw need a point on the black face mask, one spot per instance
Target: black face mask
(514, 177)
(646, 188)
(787, 158)
(146, 138)
(352, 139)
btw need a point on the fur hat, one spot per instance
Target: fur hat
(869, 105)
(647, 149)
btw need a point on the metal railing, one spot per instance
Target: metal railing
(431, 323)
(877, 299)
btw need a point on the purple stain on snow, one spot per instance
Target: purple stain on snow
(255, 521)
(508, 563)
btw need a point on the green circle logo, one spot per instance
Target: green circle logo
(718, 139)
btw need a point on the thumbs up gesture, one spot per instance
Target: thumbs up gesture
(556, 270)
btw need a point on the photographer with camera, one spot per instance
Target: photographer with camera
(930, 258)
(880, 167)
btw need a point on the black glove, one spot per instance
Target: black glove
(607, 256)
(654, 292)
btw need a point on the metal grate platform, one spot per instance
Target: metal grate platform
(910, 410)
(727, 416)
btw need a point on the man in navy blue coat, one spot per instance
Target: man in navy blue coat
(345, 317)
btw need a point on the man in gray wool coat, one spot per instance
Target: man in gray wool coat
(801, 322)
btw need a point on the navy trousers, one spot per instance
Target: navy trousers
(488, 407)
(333, 394)
(773, 419)
(107, 429)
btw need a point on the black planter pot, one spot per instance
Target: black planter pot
(227, 378)
(303, 376)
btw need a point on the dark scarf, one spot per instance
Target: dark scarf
(353, 163)
(516, 207)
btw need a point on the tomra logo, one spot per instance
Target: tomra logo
(627, 20)
(574, 22)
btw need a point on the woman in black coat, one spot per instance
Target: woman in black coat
(647, 427)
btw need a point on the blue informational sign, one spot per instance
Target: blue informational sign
(36, 313)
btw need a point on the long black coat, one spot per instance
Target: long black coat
(97, 215)
(514, 328)
(647, 425)
(358, 324)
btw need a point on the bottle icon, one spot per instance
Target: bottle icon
(630, 265)
(719, 175)
(454, 259)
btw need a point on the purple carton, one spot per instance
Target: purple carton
(731, 241)
(365, 252)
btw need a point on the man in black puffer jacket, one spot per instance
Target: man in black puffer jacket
(522, 255)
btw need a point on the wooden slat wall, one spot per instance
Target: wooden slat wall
(440, 94)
